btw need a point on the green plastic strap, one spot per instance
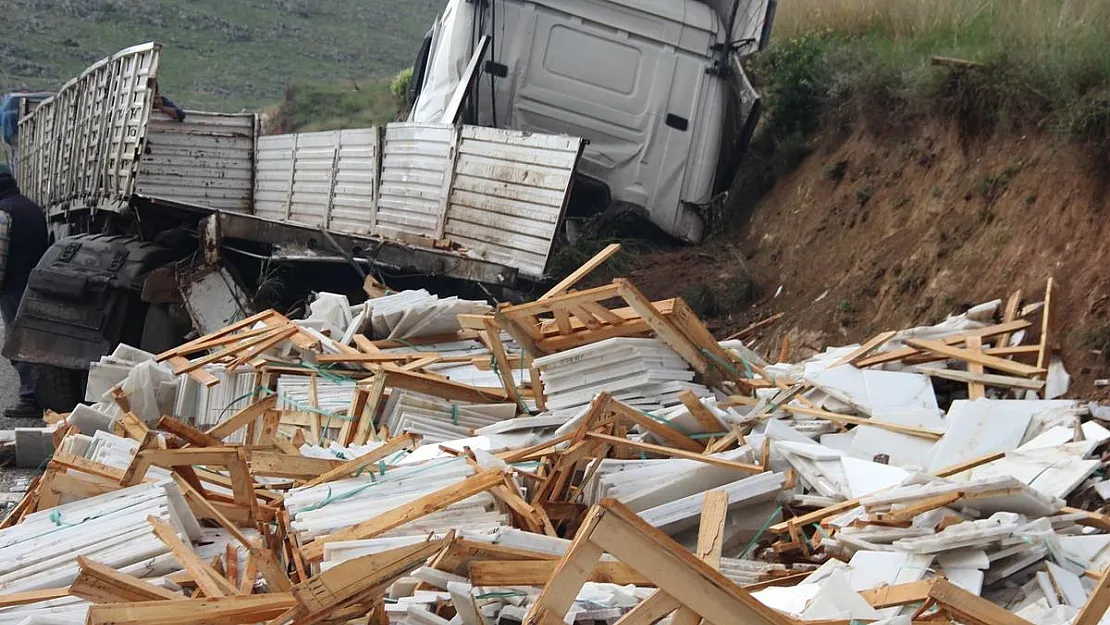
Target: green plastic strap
(454, 414)
(762, 531)
(728, 365)
(329, 499)
(503, 594)
(56, 517)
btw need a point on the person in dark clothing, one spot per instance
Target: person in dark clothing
(23, 241)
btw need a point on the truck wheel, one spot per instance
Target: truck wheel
(60, 389)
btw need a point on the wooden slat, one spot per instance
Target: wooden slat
(539, 572)
(992, 362)
(209, 611)
(677, 453)
(403, 514)
(577, 275)
(956, 339)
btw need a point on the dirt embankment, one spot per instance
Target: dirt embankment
(877, 232)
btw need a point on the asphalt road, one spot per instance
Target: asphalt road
(11, 478)
(9, 394)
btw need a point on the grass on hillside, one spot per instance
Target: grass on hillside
(220, 55)
(1041, 63)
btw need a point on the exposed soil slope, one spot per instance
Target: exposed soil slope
(876, 232)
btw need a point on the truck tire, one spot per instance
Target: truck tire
(60, 389)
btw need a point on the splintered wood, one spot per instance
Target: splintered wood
(589, 456)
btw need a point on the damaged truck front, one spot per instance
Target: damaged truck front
(654, 86)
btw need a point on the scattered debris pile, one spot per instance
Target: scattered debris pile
(589, 456)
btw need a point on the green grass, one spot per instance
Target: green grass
(837, 64)
(310, 107)
(1043, 63)
(218, 54)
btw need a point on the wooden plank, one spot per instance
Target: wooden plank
(438, 387)
(537, 389)
(675, 571)
(263, 560)
(366, 460)
(85, 465)
(971, 609)
(32, 596)
(818, 515)
(78, 486)
(992, 362)
(1048, 322)
(232, 350)
(577, 275)
(864, 350)
(247, 354)
(975, 389)
(238, 610)
(705, 417)
(140, 463)
(989, 379)
(956, 339)
(539, 572)
(357, 580)
(755, 327)
(907, 513)
(276, 464)
(100, 584)
(711, 536)
(212, 583)
(132, 426)
(492, 338)
(898, 595)
(666, 331)
(571, 573)
(187, 432)
(1097, 603)
(839, 418)
(1010, 313)
(660, 429)
(415, 509)
(678, 453)
(651, 610)
(242, 485)
(192, 346)
(243, 417)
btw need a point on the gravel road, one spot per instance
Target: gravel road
(11, 478)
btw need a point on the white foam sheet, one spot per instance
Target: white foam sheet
(865, 477)
(904, 450)
(1069, 584)
(874, 569)
(791, 600)
(872, 391)
(1094, 432)
(1054, 471)
(985, 426)
(1085, 550)
(970, 580)
(837, 600)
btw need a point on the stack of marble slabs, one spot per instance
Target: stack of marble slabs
(112, 529)
(333, 397)
(411, 314)
(323, 509)
(112, 370)
(207, 406)
(643, 373)
(438, 420)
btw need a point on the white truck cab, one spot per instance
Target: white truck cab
(649, 83)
